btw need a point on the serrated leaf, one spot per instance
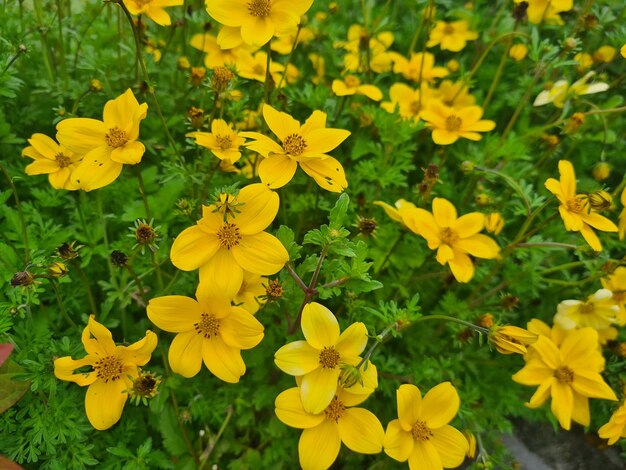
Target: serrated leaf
(338, 213)
(172, 438)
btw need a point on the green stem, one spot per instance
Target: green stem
(562, 267)
(389, 253)
(57, 294)
(548, 245)
(85, 281)
(213, 442)
(512, 183)
(44, 40)
(20, 213)
(293, 48)
(144, 198)
(61, 38)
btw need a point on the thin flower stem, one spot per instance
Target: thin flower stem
(62, 62)
(335, 283)
(157, 268)
(293, 48)
(83, 35)
(562, 267)
(85, 281)
(20, 213)
(476, 328)
(57, 294)
(310, 291)
(20, 50)
(144, 197)
(296, 278)
(138, 283)
(547, 244)
(389, 253)
(37, 7)
(512, 183)
(204, 458)
(379, 340)
(78, 100)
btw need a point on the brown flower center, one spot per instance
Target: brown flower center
(352, 81)
(578, 204)
(62, 160)
(116, 137)
(329, 358)
(259, 8)
(294, 144)
(335, 410)
(448, 29)
(453, 123)
(274, 290)
(619, 296)
(229, 235)
(415, 107)
(448, 236)
(586, 308)
(223, 141)
(420, 431)
(564, 374)
(109, 368)
(145, 234)
(142, 3)
(208, 325)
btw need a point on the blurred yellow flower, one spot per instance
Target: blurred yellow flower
(616, 283)
(304, 144)
(419, 68)
(518, 52)
(449, 124)
(494, 223)
(570, 374)
(229, 239)
(320, 358)
(153, 9)
(605, 54)
(254, 67)
(598, 311)
(403, 211)
(222, 141)
(208, 329)
(616, 427)
(575, 210)
(561, 90)
(215, 55)
(319, 65)
(259, 20)
(351, 85)
(251, 294)
(113, 368)
(452, 94)
(510, 339)
(546, 10)
(622, 216)
(406, 101)
(53, 160)
(106, 145)
(359, 58)
(421, 434)
(584, 61)
(451, 36)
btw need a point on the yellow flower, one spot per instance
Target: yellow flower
(561, 90)
(599, 312)
(510, 339)
(319, 359)
(251, 294)
(51, 159)
(358, 58)
(546, 10)
(622, 51)
(215, 55)
(323, 432)
(421, 433)
(407, 101)
(209, 329)
(402, 212)
(153, 9)
(319, 64)
(222, 141)
(584, 61)
(351, 85)
(453, 237)
(229, 239)
(284, 43)
(570, 374)
(471, 439)
(451, 36)
(518, 52)
(259, 20)
(575, 211)
(494, 223)
(622, 216)
(616, 427)
(616, 283)
(450, 124)
(420, 68)
(453, 94)
(604, 54)
(306, 144)
(113, 368)
(255, 67)
(107, 144)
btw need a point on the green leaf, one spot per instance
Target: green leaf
(338, 213)
(11, 391)
(172, 438)
(287, 238)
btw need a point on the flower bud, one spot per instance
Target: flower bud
(22, 279)
(511, 339)
(518, 52)
(494, 223)
(57, 269)
(601, 171)
(467, 167)
(483, 199)
(350, 376)
(95, 86)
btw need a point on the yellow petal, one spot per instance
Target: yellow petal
(43, 166)
(562, 403)
(479, 245)
(45, 146)
(192, 248)
(96, 170)
(580, 412)
(240, 329)
(533, 373)
(469, 224)
(360, 431)
(261, 253)
(258, 31)
(221, 274)
(548, 352)
(340, 89)
(262, 144)
(81, 135)
(119, 111)
(185, 354)
(290, 411)
(174, 313)
(260, 206)
(317, 120)
(462, 267)
(319, 446)
(97, 339)
(104, 403)
(554, 186)
(590, 384)
(440, 405)
(281, 124)
(443, 136)
(444, 212)
(276, 171)
(322, 141)
(398, 442)
(327, 173)
(353, 340)
(130, 153)
(424, 457)
(541, 394)
(138, 353)
(318, 389)
(159, 16)
(444, 254)
(590, 237)
(410, 407)
(599, 222)
(297, 358)
(568, 178)
(223, 361)
(451, 445)
(578, 346)
(319, 326)
(64, 368)
(371, 91)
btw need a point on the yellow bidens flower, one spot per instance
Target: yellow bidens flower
(403, 211)
(306, 144)
(616, 283)
(319, 359)
(153, 9)
(258, 20)
(351, 85)
(113, 368)
(450, 124)
(494, 223)
(605, 54)
(367, 51)
(546, 10)
(252, 293)
(406, 100)
(209, 329)
(577, 214)
(107, 144)
(616, 427)
(229, 239)
(622, 216)
(511, 339)
(340, 421)
(518, 52)
(561, 90)
(453, 237)
(53, 160)
(569, 373)
(420, 67)
(222, 141)
(421, 434)
(599, 312)
(451, 36)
